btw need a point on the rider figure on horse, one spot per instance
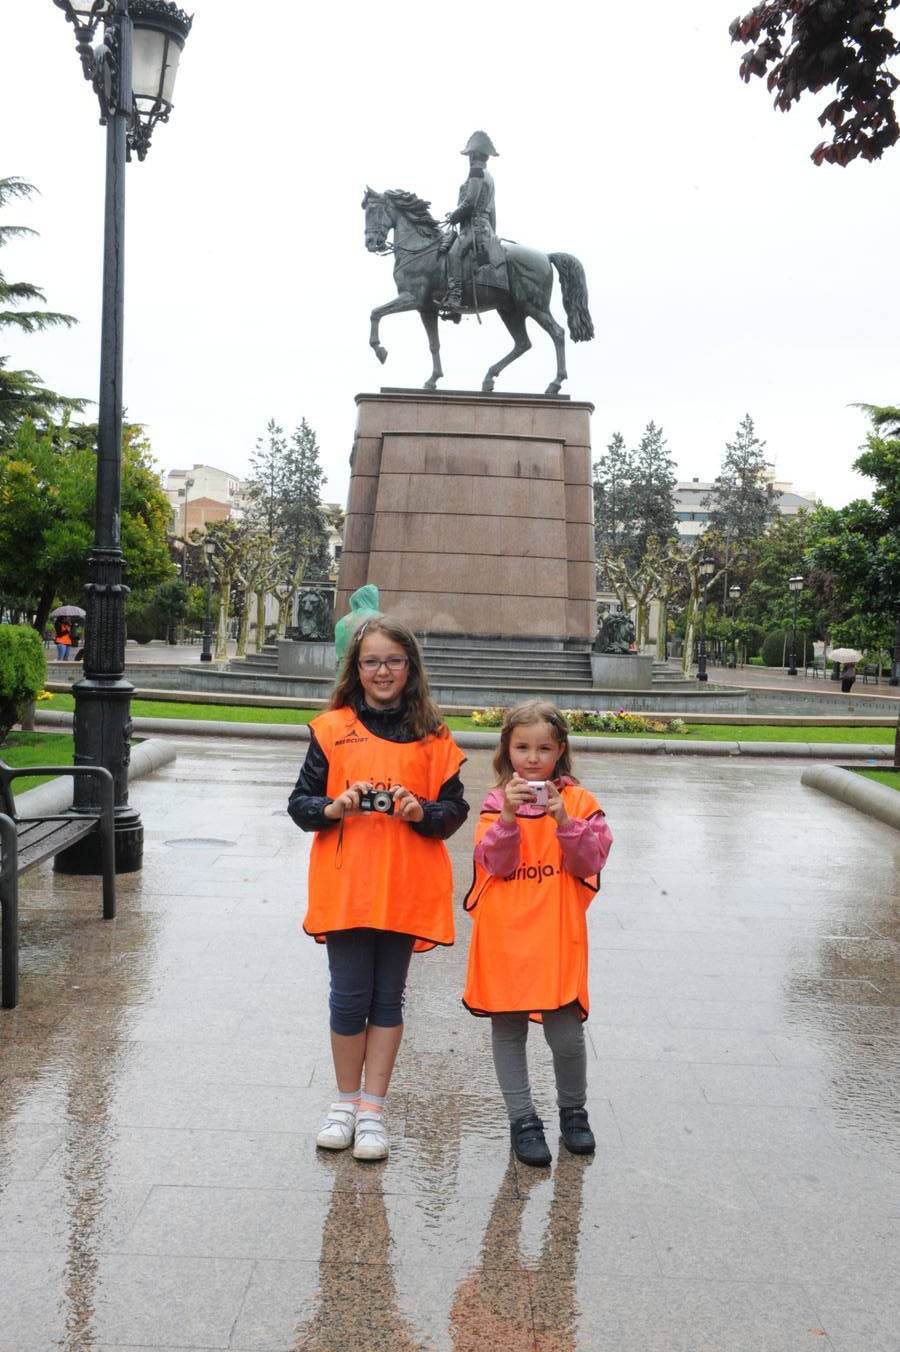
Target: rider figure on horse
(476, 217)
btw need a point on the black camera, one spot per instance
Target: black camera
(377, 800)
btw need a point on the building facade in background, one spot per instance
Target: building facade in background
(692, 511)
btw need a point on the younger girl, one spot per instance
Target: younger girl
(540, 844)
(380, 884)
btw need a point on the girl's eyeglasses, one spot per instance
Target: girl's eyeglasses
(394, 664)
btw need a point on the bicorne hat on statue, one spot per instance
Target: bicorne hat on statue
(479, 143)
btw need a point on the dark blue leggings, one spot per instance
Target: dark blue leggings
(368, 977)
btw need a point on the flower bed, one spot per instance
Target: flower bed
(592, 720)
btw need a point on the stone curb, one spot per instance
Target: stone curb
(671, 746)
(56, 794)
(866, 795)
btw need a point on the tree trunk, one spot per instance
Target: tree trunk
(222, 622)
(243, 630)
(687, 654)
(260, 620)
(662, 629)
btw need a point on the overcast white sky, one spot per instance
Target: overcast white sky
(727, 274)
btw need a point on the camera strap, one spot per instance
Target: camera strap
(339, 848)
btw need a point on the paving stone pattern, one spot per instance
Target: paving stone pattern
(162, 1081)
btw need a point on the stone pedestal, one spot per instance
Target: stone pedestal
(621, 671)
(473, 513)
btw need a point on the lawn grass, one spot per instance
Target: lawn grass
(210, 713)
(889, 777)
(36, 748)
(697, 732)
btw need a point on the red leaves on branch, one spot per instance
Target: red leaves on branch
(806, 45)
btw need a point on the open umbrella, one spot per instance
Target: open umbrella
(68, 612)
(844, 655)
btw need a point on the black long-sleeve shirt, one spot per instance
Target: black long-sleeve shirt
(308, 799)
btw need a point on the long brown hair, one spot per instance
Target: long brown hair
(533, 711)
(422, 716)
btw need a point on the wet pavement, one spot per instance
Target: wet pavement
(162, 1080)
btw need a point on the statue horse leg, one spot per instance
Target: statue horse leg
(405, 301)
(515, 322)
(558, 334)
(430, 320)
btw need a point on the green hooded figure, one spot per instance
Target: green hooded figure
(363, 606)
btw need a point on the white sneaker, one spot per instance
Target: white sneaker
(370, 1141)
(337, 1130)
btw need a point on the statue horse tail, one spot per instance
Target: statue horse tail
(574, 296)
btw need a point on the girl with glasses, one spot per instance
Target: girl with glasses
(380, 788)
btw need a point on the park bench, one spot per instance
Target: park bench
(28, 841)
(816, 665)
(871, 673)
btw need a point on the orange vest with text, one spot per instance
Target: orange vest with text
(378, 873)
(529, 947)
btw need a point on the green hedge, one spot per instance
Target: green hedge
(776, 649)
(23, 671)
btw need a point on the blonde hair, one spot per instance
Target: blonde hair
(533, 711)
(422, 717)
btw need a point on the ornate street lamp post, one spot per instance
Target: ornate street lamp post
(735, 593)
(132, 70)
(209, 549)
(795, 586)
(706, 567)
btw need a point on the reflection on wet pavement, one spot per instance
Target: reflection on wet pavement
(162, 1079)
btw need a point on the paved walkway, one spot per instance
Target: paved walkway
(770, 678)
(161, 1082)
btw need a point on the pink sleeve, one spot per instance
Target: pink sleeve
(498, 849)
(585, 845)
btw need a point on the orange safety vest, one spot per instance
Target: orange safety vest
(529, 945)
(378, 873)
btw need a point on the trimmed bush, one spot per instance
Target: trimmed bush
(776, 648)
(23, 671)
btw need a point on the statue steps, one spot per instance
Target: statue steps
(520, 667)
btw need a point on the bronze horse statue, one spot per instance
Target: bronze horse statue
(421, 277)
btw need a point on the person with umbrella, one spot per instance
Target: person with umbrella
(63, 629)
(848, 658)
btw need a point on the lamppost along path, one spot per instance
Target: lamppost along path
(795, 586)
(734, 592)
(705, 568)
(132, 70)
(209, 549)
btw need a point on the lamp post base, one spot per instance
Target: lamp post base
(84, 856)
(102, 731)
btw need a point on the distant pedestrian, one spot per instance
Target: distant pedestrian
(541, 842)
(848, 676)
(63, 640)
(380, 788)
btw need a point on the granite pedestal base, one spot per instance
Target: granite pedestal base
(473, 513)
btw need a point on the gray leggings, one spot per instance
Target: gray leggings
(564, 1031)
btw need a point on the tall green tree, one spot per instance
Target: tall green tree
(860, 544)
(652, 496)
(804, 46)
(742, 500)
(47, 493)
(21, 309)
(634, 496)
(285, 489)
(613, 475)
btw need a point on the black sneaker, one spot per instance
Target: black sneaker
(528, 1143)
(576, 1131)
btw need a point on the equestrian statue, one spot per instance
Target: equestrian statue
(445, 273)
